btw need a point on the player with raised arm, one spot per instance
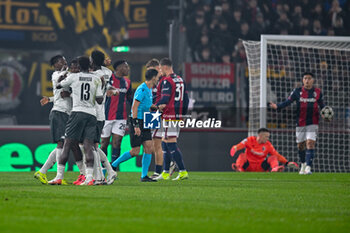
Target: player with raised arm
(138, 134)
(308, 99)
(86, 90)
(255, 159)
(115, 109)
(173, 103)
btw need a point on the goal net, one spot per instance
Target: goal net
(276, 64)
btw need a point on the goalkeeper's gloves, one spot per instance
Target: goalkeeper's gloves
(291, 165)
(233, 151)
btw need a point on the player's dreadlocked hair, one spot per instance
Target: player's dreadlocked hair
(55, 59)
(98, 57)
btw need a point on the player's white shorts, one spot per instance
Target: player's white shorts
(114, 127)
(170, 129)
(158, 133)
(304, 133)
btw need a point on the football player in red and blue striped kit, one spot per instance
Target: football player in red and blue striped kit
(174, 103)
(115, 108)
(309, 100)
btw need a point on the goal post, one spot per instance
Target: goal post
(275, 65)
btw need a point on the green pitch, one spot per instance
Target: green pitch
(207, 202)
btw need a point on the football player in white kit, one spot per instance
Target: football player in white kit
(62, 105)
(81, 125)
(97, 59)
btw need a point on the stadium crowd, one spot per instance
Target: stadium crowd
(214, 27)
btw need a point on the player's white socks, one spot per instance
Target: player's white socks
(81, 166)
(58, 154)
(105, 161)
(60, 171)
(97, 172)
(89, 172)
(82, 150)
(50, 161)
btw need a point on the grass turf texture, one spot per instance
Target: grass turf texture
(207, 202)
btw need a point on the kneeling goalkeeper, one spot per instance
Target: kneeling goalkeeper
(255, 159)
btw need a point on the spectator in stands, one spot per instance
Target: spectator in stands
(214, 24)
(218, 11)
(338, 26)
(297, 17)
(237, 21)
(319, 14)
(259, 27)
(222, 39)
(252, 11)
(245, 33)
(307, 6)
(226, 11)
(225, 58)
(194, 30)
(330, 32)
(335, 13)
(206, 55)
(204, 42)
(317, 29)
(283, 23)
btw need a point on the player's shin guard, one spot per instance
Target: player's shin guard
(176, 154)
(302, 155)
(124, 157)
(146, 161)
(309, 156)
(115, 153)
(167, 157)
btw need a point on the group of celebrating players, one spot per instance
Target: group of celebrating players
(90, 106)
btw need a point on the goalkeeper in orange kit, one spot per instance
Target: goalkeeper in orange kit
(255, 159)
